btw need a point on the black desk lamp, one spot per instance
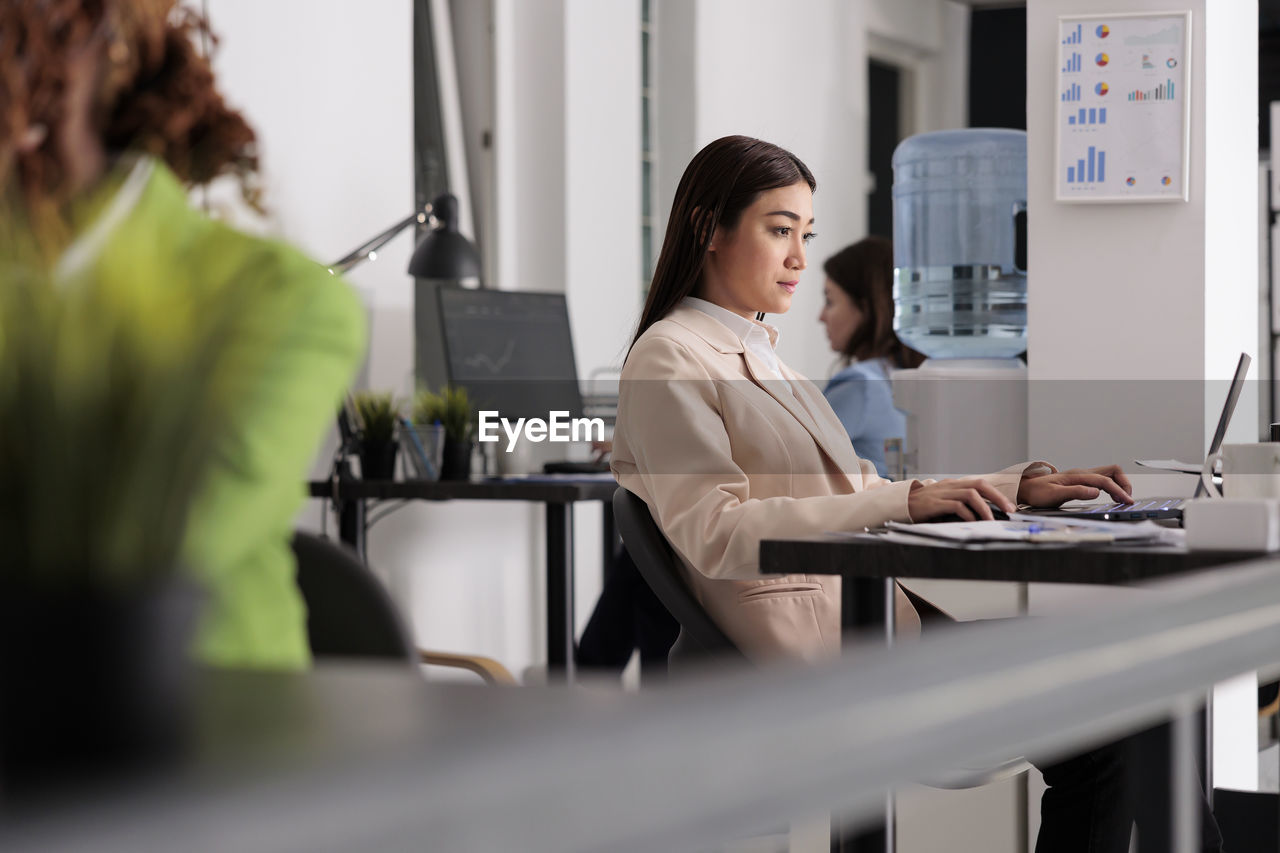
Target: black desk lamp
(442, 253)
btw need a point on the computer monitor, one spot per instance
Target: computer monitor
(512, 350)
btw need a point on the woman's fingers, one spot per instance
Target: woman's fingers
(981, 495)
(969, 499)
(1104, 482)
(1116, 473)
(997, 497)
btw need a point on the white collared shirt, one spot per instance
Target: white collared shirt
(754, 335)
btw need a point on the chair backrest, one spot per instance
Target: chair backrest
(349, 613)
(658, 565)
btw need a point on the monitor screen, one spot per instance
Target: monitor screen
(512, 350)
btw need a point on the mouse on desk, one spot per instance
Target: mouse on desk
(996, 513)
(596, 467)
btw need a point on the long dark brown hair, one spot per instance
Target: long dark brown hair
(864, 271)
(155, 93)
(720, 182)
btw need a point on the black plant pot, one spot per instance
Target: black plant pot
(378, 459)
(455, 463)
(93, 683)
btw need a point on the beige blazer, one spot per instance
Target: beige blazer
(725, 455)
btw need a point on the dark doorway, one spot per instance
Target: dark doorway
(998, 68)
(1268, 69)
(884, 131)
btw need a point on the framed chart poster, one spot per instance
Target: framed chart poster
(1124, 107)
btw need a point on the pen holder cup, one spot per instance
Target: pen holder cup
(423, 449)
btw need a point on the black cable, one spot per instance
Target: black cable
(375, 518)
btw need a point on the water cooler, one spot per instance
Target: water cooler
(960, 298)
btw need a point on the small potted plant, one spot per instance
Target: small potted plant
(378, 412)
(452, 410)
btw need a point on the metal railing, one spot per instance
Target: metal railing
(744, 750)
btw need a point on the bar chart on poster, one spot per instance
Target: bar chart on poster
(1123, 107)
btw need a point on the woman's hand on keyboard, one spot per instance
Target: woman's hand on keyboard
(968, 499)
(1054, 489)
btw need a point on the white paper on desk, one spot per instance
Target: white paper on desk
(1171, 465)
(1120, 531)
(966, 531)
(1033, 529)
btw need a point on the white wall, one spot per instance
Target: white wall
(602, 177)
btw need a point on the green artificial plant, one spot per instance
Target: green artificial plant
(451, 408)
(378, 412)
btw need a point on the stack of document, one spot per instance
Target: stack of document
(1034, 529)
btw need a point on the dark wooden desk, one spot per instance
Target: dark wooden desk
(558, 496)
(868, 564)
(864, 562)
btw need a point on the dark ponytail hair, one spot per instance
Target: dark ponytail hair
(864, 271)
(721, 181)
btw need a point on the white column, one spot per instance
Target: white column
(602, 178)
(1134, 306)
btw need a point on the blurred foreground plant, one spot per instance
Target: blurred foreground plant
(112, 392)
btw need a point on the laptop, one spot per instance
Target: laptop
(1157, 508)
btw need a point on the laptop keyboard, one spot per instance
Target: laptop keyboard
(1142, 509)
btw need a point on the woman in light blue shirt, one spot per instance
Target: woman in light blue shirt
(858, 315)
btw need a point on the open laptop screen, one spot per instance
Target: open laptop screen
(512, 350)
(1233, 396)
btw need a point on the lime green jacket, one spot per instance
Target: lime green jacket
(295, 355)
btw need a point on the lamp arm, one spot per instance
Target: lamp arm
(371, 245)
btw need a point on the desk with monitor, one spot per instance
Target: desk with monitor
(512, 351)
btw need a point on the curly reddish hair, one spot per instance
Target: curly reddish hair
(154, 93)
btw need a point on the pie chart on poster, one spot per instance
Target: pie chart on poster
(1103, 31)
(1101, 89)
(1102, 59)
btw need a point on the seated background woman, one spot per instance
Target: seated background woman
(858, 315)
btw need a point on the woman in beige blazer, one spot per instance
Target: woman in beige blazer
(728, 446)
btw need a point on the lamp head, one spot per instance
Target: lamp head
(443, 252)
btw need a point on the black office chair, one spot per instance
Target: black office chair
(350, 614)
(700, 637)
